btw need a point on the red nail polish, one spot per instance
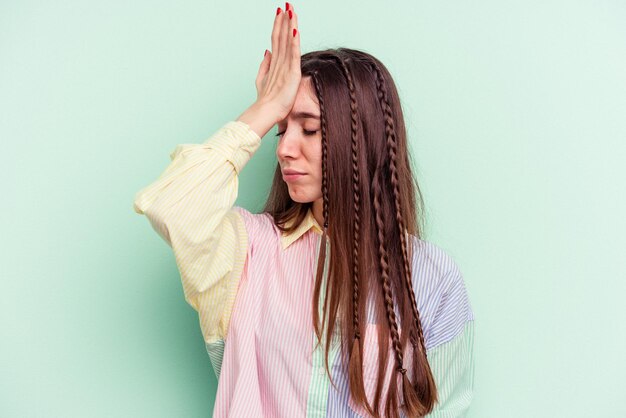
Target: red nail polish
(287, 6)
(278, 11)
(295, 31)
(290, 14)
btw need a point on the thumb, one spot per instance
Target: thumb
(263, 69)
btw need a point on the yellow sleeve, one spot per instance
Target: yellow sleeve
(190, 206)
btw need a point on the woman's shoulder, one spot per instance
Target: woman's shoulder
(260, 227)
(434, 261)
(440, 292)
(259, 220)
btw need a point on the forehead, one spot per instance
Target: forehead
(306, 105)
(305, 97)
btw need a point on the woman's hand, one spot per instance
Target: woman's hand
(279, 75)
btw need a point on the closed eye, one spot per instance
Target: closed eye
(307, 133)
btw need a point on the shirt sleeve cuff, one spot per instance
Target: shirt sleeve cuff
(236, 141)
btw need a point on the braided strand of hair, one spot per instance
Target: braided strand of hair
(392, 149)
(322, 254)
(318, 87)
(384, 264)
(356, 180)
(355, 362)
(418, 399)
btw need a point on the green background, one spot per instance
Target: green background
(516, 112)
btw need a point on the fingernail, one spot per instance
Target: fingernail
(295, 31)
(287, 6)
(290, 14)
(278, 11)
(265, 55)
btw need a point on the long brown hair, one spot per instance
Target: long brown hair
(365, 156)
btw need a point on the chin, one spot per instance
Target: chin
(298, 198)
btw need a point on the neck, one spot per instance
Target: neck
(318, 212)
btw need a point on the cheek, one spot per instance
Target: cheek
(318, 175)
(317, 166)
(317, 157)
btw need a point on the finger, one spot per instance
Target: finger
(283, 39)
(263, 69)
(293, 20)
(293, 52)
(276, 30)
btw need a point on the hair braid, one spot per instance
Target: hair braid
(318, 88)
(356, 194)
(356, 353)
(389, 304)
(384, 264)
(322, 253)
(392, 149)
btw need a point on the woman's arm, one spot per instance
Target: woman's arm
(452, 365)
(189, 205)
(452, 360)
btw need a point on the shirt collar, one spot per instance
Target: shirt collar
(309, 222)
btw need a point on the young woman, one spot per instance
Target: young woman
(327, 304)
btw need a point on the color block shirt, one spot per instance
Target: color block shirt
(252, 287)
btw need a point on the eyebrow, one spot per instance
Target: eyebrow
(303, 115)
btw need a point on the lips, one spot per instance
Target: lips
(289, 171)
(290, 175)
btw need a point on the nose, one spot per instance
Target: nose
(288, 145)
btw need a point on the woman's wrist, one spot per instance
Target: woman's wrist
(261, 117)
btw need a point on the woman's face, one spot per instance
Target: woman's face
(299, 146)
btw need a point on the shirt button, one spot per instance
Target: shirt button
(321, 370)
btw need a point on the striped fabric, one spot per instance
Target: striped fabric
(252, 287)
